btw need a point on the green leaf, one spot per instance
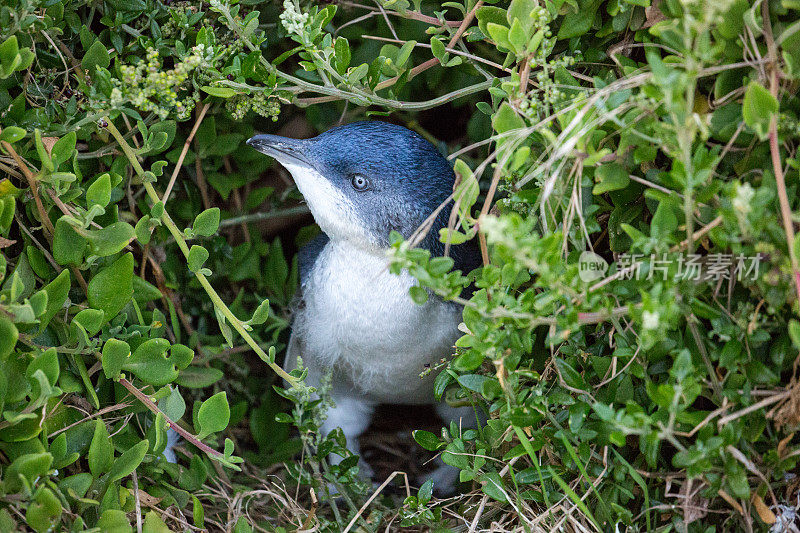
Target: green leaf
(110, 239)
(150, 363)
(165, 131)
(142, 229)
(90, 319)
(198, 515)
(8, 336)
(664, 220)
(43, 511)
(425, 492)
(207, 222)
(41, 150)
(96, 56)
(404, 53)
(144, 291)
(455, 455)
(794, 333)
(29, 467)
(731, 355)
(473, 382)
(77, 483)
(114, 521)
(570, 376)
(521, 10)
(426, 439)
(173, 405)
(128, 461)
(154, 524)
(758, 108)
(9, 54)
(466, 193)
(438, 49)
(112, 288)
(518, 37)
(7, 208)
(213, 415)
(440, 384)
(99, 192)
(198, 377)
(12, 134)
(101, 451)
(47, 362)
(577, 23)
(487, 14)
(341, 54)
(506, 119)
(418, 294)
(197, 258)
(468, 361)
(452, 236)
(115, 353)
(68, 245)
(736, 477)
(612, 177)
(157, 211)
(222, 92)
(499, 34)
(63, 148)
(57, 292)
(261, 314)
(26, 57)
(357, 74)
(492, 486)
(242, 526)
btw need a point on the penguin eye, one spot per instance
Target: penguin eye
(360, 182)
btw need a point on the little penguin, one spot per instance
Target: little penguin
(354, 318)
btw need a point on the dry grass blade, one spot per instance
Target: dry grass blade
(201, 114)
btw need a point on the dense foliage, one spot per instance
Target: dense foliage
(146, 254)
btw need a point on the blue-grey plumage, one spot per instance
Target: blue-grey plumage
(355, 319)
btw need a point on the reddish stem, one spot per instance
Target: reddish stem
(150, 404)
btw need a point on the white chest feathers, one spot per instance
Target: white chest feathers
(359, 319)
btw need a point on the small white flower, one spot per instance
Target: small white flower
(650, 319)
(116, 97)
(292, 18)
(744, 198)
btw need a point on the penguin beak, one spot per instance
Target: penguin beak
(287, 151)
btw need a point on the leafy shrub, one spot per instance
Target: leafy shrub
(137, 274)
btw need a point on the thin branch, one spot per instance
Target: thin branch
(755, 407)
(34, 185)
(434, 61)
(265, 215)
(150, 404)
(185, 149)
(774, 150)
(375, 495)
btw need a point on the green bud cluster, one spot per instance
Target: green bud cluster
(239, 105)
(151, 89)
(548, 93)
